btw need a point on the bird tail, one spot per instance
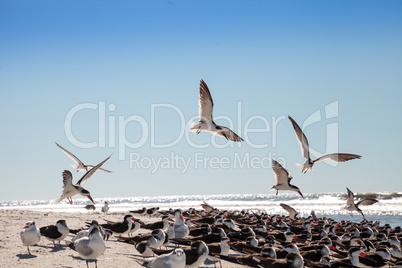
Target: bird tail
(305, 167)
(76, 167)
(58, 200)
(194, 127)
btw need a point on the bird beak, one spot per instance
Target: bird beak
(178, 254)
(228, 243)
(181, 217)
(26, 227)
(132, 219)
(300, 194)
(362, 254)
(90, 198)
(224, 135)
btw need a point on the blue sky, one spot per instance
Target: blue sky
(262, 60)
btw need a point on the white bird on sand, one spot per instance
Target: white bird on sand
(81, 165)
(30, 235)
(206, 121)
(175, 259)
(282, 179)
(352, 206)
(292, 212)
(308, 165)
(180, 227)
(105, 208)
(71, 190)
(90, 247)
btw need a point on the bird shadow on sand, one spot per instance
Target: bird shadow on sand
(25, 256)
(53, 248)
(78, 258)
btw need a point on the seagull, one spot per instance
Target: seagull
(352, 206)
(205, 113)
(55, 232)
(30, 235)
(71, 190)
(180, 228)
(105, 208)
(292, 212)
(175, 259)
(80, 166)
(308, 165)
(282, 179)
(90, 247)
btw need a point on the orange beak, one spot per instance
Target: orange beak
(362, 254)
(26, 227)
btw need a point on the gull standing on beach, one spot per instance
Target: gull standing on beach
(30, 235)
(105, 208)
(308, 165)
(282, 179)
(352, 206)
(81, 165)
(205, 121)
(71, 190)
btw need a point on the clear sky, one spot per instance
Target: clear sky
(122, 78)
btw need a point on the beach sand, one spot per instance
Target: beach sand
(13, 253)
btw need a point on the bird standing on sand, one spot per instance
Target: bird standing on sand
(30, 235)
(175, 259)
(55, 232)
(180, 228)
(105, 208)
(80, 166)
(308, 165)
(352, 206)
(282, 179)
(71, 190)
(90, 247)
(206, 121)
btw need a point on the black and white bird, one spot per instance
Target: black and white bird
(308, 165)
(120, 228)
(90, 247)
(175, 259)
(292, 212)
(55, 232)
(71, 189)
(81, 165)
(282, 179)
(352, 206)
(30, 235)
(206, 121)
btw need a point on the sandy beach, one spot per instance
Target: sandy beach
(44, 255)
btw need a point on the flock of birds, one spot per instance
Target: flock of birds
(257, 239)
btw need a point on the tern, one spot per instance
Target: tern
(352, 206)
(292, 212)
(205, 117)
(308, 165)
(71, 190)
(80, 166)
(175, 259)
(282, 179)
(30, 235)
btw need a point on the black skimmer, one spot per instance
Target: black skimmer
(292, 212)
(308, 165)
(80, 166)
(204, 229)
(30, 235)
(105, 208)
(90, 247)
(221, 248)
(206, 121)
(152, 211)
(176, 259)
(90, 207)
(380, 258)
(351, 261)
(71, 190)
(352, 206)
(282, 179)
(146, 242)
(120, 227)
(163, 224)
(139, 211)
(55, 232)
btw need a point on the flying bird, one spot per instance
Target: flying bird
(71, 190)
(282, 179)
(205, 121)
(352, 206)
(81, 165)
(308, 165)
(292, 212)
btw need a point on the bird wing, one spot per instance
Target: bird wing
(70, 155)
(227, 133)
(338, 157)
(108, 171)
(292, 212)
(82, 246)
(205, 103)
(301, 138)
(351, 197)
(282, 175)
(90, 172)
(67, 178)
(367, 202)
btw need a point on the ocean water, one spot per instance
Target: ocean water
(387, 210)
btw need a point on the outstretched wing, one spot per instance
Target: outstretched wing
(351, 197)
(338, 157)
(67, 178)
(301, 138)
(108, 171)
(70, 155)
(292, 212)
(90, 172)
(227, 133)
(205, 103)
(367, 202)
(282, 175)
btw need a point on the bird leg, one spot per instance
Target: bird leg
(199, 130)
(29, 251)
(96, 263)
(277, 192)
(220, 263)
(87, 263)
